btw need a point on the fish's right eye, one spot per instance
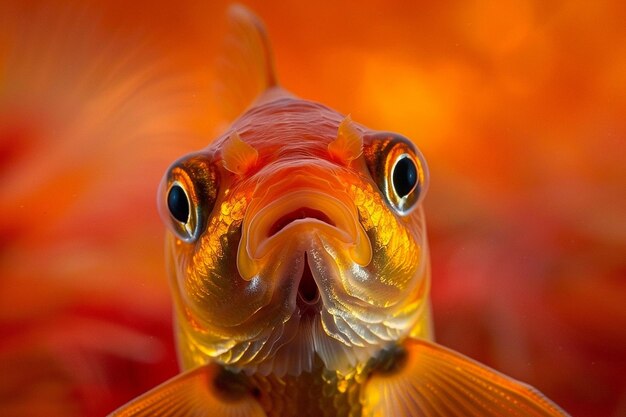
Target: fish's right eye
(187, 196)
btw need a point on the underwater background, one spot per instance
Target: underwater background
(519, 107)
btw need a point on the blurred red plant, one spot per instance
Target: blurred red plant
(519, 107)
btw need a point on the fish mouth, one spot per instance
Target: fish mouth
(299, 214)
(296, 213)
(309, 297)
(285, 219)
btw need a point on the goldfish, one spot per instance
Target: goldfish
(298, 260)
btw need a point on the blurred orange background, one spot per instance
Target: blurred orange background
(519, 107)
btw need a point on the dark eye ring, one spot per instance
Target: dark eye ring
(404, 176)
(178, 203)
(182, 210)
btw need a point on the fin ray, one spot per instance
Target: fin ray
(192, 393)
(246, 67)
(435, 382)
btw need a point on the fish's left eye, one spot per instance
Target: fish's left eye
(178, 203)
(398, 169)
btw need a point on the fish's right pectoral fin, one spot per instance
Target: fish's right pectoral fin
(428, 380)
(205, 391)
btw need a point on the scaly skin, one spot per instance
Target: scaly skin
(320, 393)
(222, 315)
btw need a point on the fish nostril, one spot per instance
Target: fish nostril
(298, 214)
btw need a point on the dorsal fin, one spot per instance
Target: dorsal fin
(246, 66)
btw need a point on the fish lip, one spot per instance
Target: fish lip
(340, 223)
(271, 228)
(300, 213)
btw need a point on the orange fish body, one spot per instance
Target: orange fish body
(299, 267)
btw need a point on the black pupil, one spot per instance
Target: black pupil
(178, 204)
(404, 177)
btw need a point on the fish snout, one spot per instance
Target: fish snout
(290, 216)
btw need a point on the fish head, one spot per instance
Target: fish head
(296, 234)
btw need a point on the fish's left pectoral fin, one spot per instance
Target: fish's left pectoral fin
(428, 380)
(205, 391)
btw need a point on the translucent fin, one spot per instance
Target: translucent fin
(239, 157)
(246, 68)
(349, 142)
(195, 393)
(434, 381)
